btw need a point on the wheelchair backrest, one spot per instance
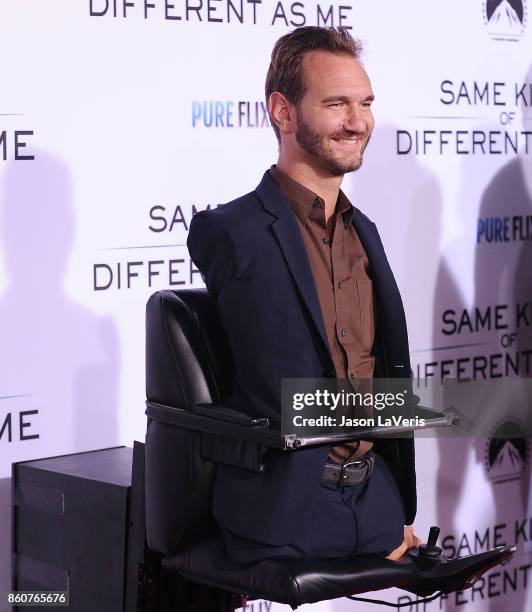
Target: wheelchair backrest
(188, 361)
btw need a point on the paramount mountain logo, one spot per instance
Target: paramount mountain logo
(505, 19)
(504, 16)
(506, 455)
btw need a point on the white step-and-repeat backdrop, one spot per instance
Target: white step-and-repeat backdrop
(121, 118)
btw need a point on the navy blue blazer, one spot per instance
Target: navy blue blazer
(253, 260)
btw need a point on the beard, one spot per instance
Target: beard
(316, 146)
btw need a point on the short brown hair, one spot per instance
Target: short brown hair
(285, 73)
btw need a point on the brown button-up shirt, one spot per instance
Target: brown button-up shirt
(340, 268)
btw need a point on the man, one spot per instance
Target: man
(304, 290)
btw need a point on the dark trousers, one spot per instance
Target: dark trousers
(367, 518)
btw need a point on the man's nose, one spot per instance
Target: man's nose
(357, 120)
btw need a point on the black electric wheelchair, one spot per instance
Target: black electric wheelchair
(188, 373)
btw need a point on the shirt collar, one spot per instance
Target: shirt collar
(302, 199)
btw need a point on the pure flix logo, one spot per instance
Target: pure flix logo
(505, 19)
(506, 454)
(229, 114)
(517, 228)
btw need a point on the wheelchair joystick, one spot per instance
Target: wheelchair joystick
(430, 550)
(427, 555)
(439, 573)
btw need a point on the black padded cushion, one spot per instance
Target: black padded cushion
(290, 581)
(187, 362)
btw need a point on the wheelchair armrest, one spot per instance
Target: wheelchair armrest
(229, 422)
(231, 437)
(220, 421)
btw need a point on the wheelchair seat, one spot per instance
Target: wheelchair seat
(188, 374)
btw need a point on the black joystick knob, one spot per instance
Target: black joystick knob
(433, 536)
(430, 550)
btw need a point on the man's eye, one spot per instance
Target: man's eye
(336, 105)
(366, 104)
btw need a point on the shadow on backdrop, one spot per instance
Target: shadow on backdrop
(501, 274)
(56, 357)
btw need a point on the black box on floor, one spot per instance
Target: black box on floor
(70, 528)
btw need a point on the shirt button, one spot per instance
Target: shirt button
(344, 331)
(340, 285)
(325, 240)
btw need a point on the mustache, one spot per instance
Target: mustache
(351, 135)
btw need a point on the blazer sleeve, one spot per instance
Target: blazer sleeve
(211, 251)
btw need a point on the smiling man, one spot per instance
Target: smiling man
(304, 290)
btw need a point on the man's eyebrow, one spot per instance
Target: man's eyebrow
(369, 98)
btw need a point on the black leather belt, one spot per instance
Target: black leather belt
(352, 473)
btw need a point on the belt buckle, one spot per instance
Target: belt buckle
(343, 476)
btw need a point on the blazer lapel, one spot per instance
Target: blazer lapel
(291, 244)
(391, 320)
(384, 283)
(370, 241)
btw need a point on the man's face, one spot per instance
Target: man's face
(334, 119)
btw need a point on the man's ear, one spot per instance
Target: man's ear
(281, 112)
